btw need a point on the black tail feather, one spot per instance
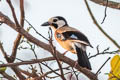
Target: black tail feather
(83, 60)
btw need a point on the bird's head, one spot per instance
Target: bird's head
(56, 22)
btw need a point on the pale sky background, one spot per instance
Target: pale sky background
(75, 12)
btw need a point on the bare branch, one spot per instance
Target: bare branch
(74, 74)
(15, 46)
(27, 62)
(22, 13)
(18, 73)
(102, 66)
(49, 72)
(36, 30)
(111, 4)
(103, 52)
(5, 75)
(3, 52)
(32, 47)
(105, 12)
(51, 69)
(27, 73)
(16, 42)
(13, 12)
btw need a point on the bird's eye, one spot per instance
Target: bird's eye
(55, 20)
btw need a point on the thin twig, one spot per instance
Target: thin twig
(5, 75)
(27, 62)
(113, 52)
(51, 69)
(57, 76)
(27, 73)
(34, 71)
(3, 52)
(36, 30)
(13, 12)
(33, 50)
(49, 72)
(75, 73)
(103, 52)
(102, 66)
(105, 12)
(18, 73)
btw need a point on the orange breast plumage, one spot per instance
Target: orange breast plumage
(66, 44)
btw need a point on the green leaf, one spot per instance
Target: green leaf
(2, 69)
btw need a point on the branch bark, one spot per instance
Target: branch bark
(18, 38)
(5, 75)
(27, 62)
(111, 4)
(4, 52)
(6, 20)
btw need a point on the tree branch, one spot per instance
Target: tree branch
(49, 72)
(102, 65)
(103, 52)
(31, 26)
(27, 62)
(111, 4)
(105, 12)
(16, 42)
(7, 76)
(18, 73)
(13, 12)
(3, 52)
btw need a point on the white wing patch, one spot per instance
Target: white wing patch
(82, 42)
(80, 46)
(73, 36)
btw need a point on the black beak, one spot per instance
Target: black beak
(45, 24)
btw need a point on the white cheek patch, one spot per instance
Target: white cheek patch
(61, 23)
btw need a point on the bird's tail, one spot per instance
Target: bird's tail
(83, 60)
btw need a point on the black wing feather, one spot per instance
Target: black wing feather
(78, 36)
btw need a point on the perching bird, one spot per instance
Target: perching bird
(70, 39)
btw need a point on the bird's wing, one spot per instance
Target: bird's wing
(76, 36)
